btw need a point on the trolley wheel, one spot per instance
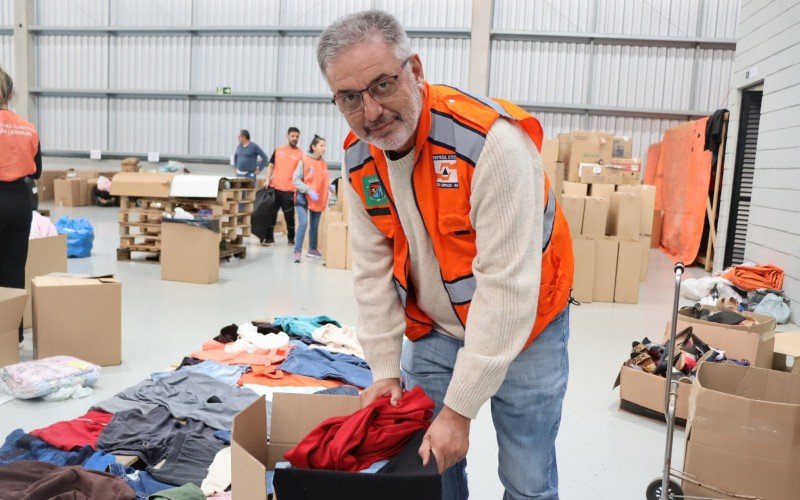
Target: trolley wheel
(654, 490)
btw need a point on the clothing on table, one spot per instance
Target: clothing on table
(189, 361)
(284, 200)
(76, 433)
(313, 235)
(246, 159)
(526, 410)
(226, 495)
(147, 435)
(99, 461)
(303, 325)
(16, 213)
(186, 395)
(215, 351)
(250, 340)
(27, 480)
(219, 473)
(228, 334)
(224, 436)
(271, 376)
(140, 481)
(228, 374)
(303, 339)
(266, 328)
(342, 390)
(322, 364)
(335, 339)
(187, 459)
(185, 492)
(20, 446)
(354, 442)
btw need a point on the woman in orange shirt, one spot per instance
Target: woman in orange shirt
(20, 157)
(311, 179)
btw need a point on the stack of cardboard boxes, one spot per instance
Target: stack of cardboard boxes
(334, 238)
(609, 211)
(70, 188)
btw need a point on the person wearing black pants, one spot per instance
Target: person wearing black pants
(280, 176)
(21, 157)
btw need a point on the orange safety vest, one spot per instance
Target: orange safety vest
(286, 158)
(19, 143)
(450, 138)
(315, 176)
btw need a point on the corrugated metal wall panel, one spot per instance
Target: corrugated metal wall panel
(236, 12)
(72, 62)
(713, 84)
(72, 12)
(76, 124)
(298, 71)
(150, 62)
(316, 13)
(6, 12)
(215, 125)
(144, 125)
(151, 13)
(246, 64)
(720, 18)
(526, 71)
(642, 77)
(557, 123)
(444, 60)
(322, 119)
(439, 14)
(634, 17)
(525, 15)
(7, 54)
(643, 131)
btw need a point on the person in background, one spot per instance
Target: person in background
(20, 157)
(280, 172)
(311, 179)
(249, 158)
(459, 244)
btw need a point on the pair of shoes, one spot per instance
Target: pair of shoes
(314, 254)
(641, 358)
(266, 243)
(296, 257)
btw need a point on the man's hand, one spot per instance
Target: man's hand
(385, 387)
(447, 439)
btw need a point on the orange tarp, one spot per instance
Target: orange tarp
(755, 277)
(681, 176)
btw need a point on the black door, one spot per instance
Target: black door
(744, 169)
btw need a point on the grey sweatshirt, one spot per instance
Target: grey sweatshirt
(246, 158)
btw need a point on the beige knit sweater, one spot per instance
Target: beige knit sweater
(507, 204)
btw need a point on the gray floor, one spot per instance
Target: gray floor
(603, 453)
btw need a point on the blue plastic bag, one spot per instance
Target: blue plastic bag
(80, 235)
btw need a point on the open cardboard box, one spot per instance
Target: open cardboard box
(786, 356)
(743, 435)
(12, 305)
(142, 184)
(763, 323)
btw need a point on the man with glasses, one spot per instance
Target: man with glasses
(458, 244)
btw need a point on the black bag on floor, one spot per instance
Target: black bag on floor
(265, 202)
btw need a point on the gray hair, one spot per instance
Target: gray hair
(361, 27)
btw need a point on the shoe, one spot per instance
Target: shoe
(291, 242)
(314, 254)
(265, 243)
(296, 257)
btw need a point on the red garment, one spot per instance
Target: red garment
(77, 433)
(754, 277)
(354, 442)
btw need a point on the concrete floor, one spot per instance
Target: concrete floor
(603, 452)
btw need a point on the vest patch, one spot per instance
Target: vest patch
(446, 172)
(374, 193)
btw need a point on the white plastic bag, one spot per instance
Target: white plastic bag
(775, 306)
(696, 289)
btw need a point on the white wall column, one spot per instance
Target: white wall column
(24, 63)
(480, 42)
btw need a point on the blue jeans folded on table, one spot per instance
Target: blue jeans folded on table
(322, 364)
(303, 325)
(140, 481)
(99, 461)
(526, 410)
(229, 374)
(21, 446)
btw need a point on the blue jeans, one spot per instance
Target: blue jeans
(302, 221)
(526, 410)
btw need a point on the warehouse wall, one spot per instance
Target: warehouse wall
(769, 40)
(6, 35)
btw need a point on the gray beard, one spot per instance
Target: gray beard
(407, 127)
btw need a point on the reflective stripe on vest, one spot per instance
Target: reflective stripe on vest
(549, 219)
(483, 100)
(357, 155)
(464, 141)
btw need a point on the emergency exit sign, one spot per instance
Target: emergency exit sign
(223, 91)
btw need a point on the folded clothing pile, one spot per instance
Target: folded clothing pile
(62, 375)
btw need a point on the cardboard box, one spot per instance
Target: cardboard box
(595, 216)
(583, 281)
(45, 256)
(189, 253)
(787, 352)
(643, 394)
(78, 316)
(549, 151)
(336, 246)
(648, 194)
(130, 165)
(602, 190)
(629, 269)
(572, 206)
(142, 184)
(758, 348)
(575, 189)
(622, 148)
(587, 147)
(12, 305)
(555, 172)
(605, 269)
(624, 216)
(744, 433)
(564, 144)
(67, 192)
(655, 233)
(763, 324)
(644, 244)
(595, 173)
(45, 183)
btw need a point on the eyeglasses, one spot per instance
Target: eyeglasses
(354, 101)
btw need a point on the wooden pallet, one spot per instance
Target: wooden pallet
(233, 251)
(153, 256)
